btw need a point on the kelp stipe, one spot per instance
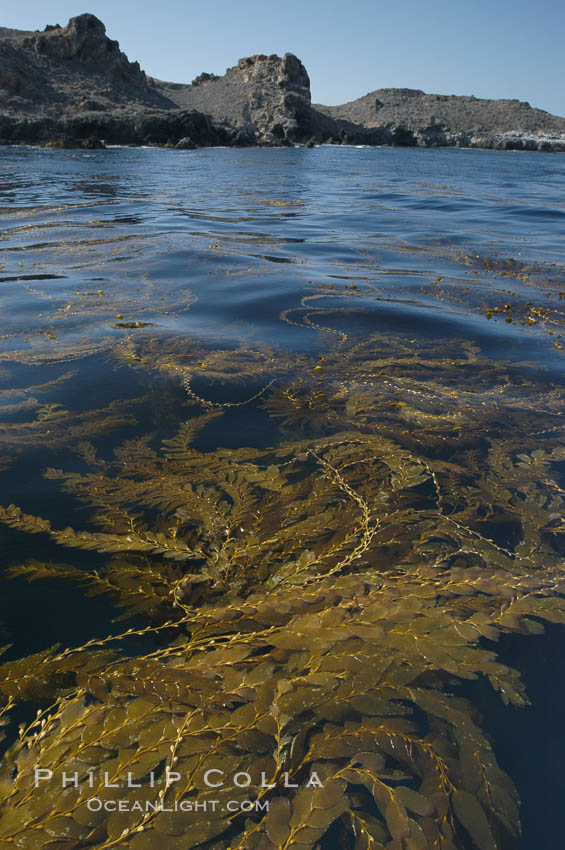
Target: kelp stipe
(312, 608)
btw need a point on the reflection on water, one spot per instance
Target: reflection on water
(296, 416)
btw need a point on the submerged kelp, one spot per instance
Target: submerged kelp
(310, 607)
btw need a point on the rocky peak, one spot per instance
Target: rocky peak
(84, 42)
(287, 73)
(84, 38)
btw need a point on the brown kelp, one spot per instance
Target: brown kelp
(308, 608)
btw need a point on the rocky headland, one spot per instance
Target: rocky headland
(73, 86)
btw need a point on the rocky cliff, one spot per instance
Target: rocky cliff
(73, 85)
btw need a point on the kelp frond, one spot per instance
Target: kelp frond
(310, 609)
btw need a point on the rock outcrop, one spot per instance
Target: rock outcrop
(73, 86)
(267, 97)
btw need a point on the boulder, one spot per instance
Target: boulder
(185, 144)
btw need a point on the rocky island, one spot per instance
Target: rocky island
(73, 86)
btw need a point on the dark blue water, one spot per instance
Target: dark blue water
(248, 248)
(217, 242)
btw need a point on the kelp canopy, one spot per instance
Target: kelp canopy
(304, 611)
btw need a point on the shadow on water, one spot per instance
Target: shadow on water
(530, 744)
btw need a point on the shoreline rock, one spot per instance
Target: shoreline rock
(73, 86)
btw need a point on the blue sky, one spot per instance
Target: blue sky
(489, 48)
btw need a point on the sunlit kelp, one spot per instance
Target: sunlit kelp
(498, 288)
(311, 605)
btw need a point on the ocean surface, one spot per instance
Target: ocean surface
(267, 261)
